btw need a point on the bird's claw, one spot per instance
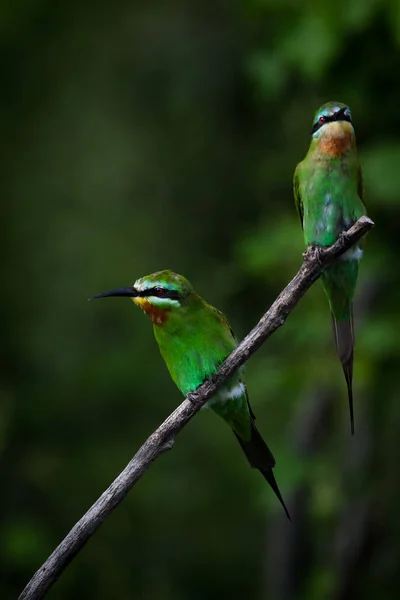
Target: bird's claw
(192, 398)
(313, 252)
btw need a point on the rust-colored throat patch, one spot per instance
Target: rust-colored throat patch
(338, 138)
(156, 314)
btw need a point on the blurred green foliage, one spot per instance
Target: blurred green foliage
(143, 136)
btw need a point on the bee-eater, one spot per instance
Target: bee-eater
(328, 191)
(194, 338)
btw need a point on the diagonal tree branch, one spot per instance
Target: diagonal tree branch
(315, 260)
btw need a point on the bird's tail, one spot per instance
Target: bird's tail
(339, 282)
(260, 457)
(343, 332)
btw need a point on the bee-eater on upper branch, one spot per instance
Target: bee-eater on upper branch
(328, 190)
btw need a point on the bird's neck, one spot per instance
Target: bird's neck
(172, 319)
(179, 321)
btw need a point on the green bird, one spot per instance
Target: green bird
(194, 338)
(328, 191)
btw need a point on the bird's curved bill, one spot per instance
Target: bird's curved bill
(130, 292)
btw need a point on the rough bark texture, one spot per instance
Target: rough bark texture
(315, 259)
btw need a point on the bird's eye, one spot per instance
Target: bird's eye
(321, 120)
(159, 291)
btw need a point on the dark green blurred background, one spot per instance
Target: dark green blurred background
(139, 136)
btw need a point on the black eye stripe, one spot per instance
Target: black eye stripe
(339, 116)
(160, 292)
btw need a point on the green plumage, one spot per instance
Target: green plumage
(193, 342)
(194, 338)
(328, 190)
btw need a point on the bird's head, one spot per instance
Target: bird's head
(157, 294)
(333, 129)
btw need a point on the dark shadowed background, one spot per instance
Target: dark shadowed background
(140, 136)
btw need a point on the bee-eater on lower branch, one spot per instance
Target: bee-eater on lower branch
(194, 338)
(328, 191)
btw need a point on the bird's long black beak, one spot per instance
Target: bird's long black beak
(130, 292)
(338, 116)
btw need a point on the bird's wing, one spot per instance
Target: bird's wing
(253, 416)
(296, 192)
(223, 320)
(360, 184)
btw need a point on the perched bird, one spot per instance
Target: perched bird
(328, 191)
(194, 338)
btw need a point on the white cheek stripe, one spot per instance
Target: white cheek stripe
(155, 301)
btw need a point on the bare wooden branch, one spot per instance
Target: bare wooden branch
(315, 259)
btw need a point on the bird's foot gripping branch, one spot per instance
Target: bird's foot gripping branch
(313, 254)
